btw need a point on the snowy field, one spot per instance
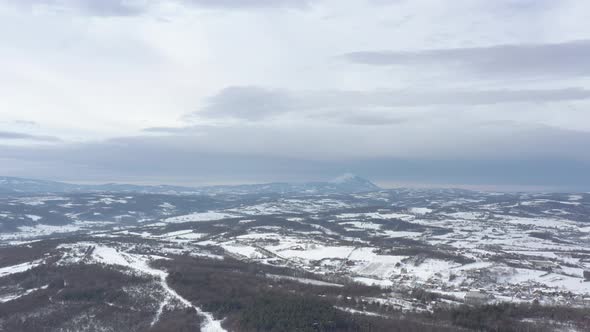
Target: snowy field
(516, 247)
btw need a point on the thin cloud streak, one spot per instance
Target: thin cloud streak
(9, 135)
(256, 103)
(180, 160)
(123, 8)
(567, 59)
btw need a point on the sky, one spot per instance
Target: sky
(463, 93)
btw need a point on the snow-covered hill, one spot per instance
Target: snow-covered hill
(344, 184)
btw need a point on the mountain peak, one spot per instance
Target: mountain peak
(353, 181)
(346, 177)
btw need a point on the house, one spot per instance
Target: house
(477, 298)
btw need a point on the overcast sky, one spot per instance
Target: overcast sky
(404, 92)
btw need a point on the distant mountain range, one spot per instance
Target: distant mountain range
(347, 183)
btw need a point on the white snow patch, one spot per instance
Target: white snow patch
(362, 225)
(5, 271)
(399, 234)
(373, 282)
(319, 252)
(420, 210)
(360, 312)
(34, 217)
(242, 250)
(166, 205)
(186, 234)
(305, 280)
(467, 215)
(376, 215)
(200, 216)
(15, 296)
(28, 232)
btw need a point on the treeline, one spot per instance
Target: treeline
(248, 301)
(25, 253)
(79, 298)
(87, 297)
(277, 312)
(185, 320)
(512, 317)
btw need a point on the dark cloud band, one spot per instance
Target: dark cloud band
(8, 135)
(568, 59)
(255, 103)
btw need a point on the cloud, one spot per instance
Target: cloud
(496, 154)
(8, 135)
(91, 7)
(26, 123)
(271, 100)
(525, 6)
(360, 118)
(256, 103)
(447, 136)
(168, 130)
(250, 4)
(567, 59)
(137, 7)
(248, 102)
